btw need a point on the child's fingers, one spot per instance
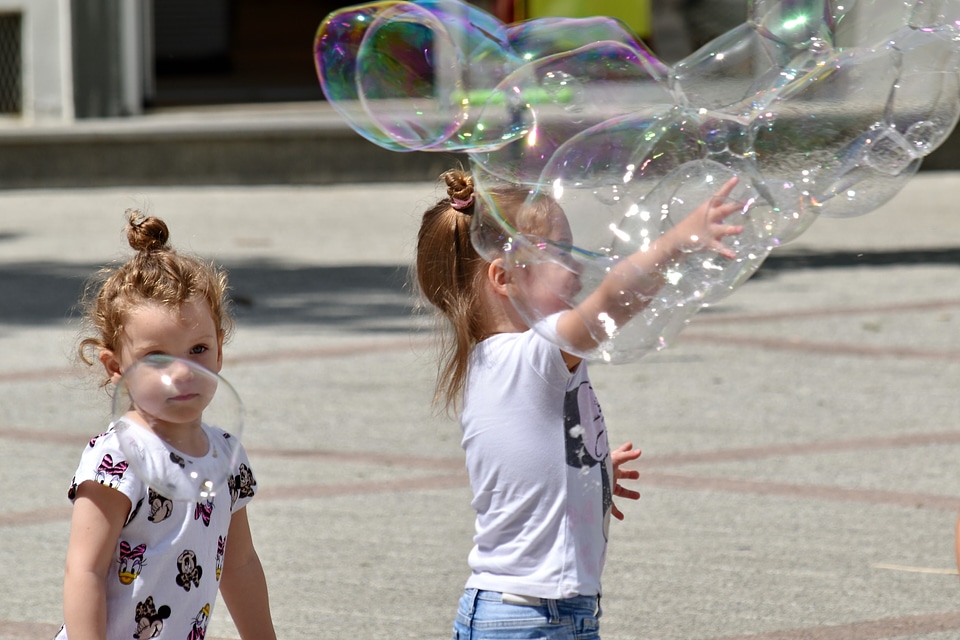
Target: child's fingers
(726, 188)
(627, 474)
(722, 211)
(726, 253)
(624, 453)
(723, 250)
(623, 492)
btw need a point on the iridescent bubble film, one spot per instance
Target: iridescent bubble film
(815, 107)
(168, 414)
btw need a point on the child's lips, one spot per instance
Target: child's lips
(184, 397)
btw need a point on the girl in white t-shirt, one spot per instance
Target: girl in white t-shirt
(541, 469)
(141, 564)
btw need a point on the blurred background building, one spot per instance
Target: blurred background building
(61, 60)
(106, 92)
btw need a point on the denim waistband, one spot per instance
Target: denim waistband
(585, 603)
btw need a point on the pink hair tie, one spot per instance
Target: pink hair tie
(459, 204)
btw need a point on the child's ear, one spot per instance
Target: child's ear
(111, 363)
(497, 276)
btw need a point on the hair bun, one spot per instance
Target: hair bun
(459, 188)
(459, 184)
(146, 233)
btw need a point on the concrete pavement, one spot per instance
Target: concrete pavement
(799, 475)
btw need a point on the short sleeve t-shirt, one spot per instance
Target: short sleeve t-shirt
(166, 569)
(539, 463)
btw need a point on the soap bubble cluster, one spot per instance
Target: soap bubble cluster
(818, 107)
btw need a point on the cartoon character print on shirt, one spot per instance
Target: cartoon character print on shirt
(109, 473)
(150, 619)
(585, 437)
(241, 485)
(72, 491)
(189, 572)
(199, 629)
(161, 507)
(131, 561)
(221, 548)
(134, 512)
(203, 511)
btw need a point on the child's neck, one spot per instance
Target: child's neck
(189, 439)
(504, 318)
(500, 316)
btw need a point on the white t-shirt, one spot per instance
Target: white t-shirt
(165, 573)
(539, 464)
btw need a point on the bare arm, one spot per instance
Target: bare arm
(642, 273)
(243, 584)
(957, 544)
(98, 516)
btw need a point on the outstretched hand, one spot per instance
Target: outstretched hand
(643, 273)
(620, 455)
(704, 228)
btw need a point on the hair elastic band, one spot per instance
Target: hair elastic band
(459, 204)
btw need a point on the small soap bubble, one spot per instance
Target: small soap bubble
(178, 425)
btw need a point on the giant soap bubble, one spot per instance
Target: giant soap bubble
(178, 426)
(817, 107)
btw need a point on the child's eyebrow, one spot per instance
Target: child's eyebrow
(144, 346)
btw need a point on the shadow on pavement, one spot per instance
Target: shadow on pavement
(364, 297)
(841, 259)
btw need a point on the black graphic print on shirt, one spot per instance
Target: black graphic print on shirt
(585, 436)
(241, 485)
(150, 619)
(189, 571)
(161, 507)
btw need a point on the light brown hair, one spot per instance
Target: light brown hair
(156, 274)
(450, 271)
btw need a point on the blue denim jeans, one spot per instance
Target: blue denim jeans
(482, 615)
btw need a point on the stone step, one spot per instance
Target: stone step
(291, 143)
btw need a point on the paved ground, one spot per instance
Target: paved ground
(800, 442)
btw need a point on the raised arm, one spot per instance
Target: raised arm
(642, 274)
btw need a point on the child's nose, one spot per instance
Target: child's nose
(178, 371)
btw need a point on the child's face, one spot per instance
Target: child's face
(547, 276)
(171, 393)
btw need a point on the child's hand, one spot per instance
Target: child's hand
(623, 453)
(704, 228)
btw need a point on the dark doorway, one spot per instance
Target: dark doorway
(236, 51)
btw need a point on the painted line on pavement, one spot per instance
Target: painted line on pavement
(904, 626)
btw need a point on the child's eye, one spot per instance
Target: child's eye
(157, 359)
(198, 349)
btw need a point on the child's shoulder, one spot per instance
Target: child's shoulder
(103, 441)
